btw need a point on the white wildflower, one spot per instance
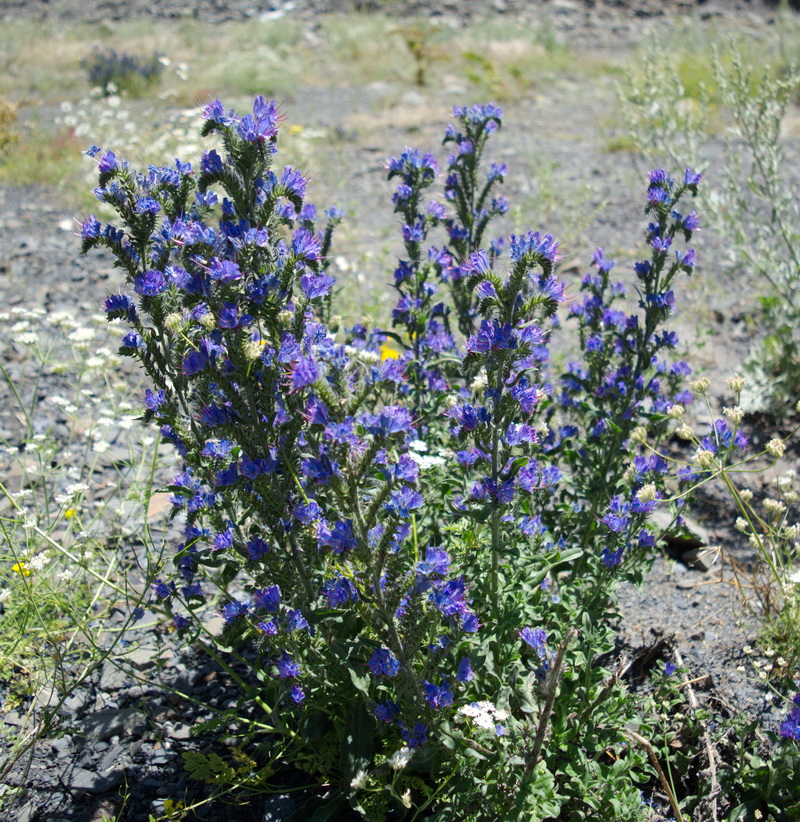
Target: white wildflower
(359, 781)
(746, 495)
(685, 432)
(735, 414)
(399, 759)
(703, 458)
(700, 386)
(647, 493)
(736, 383)
(776, 447)
(38, 562)
(82, 334)
(480, 382)
(676, 411)
(639, 435)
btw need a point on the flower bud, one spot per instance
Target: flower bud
(285, 318)
(639, 435)
(685, 432)
(676, 412)
(208, 321)
(776, 447)
(735, 414)
(703, 458)
(173, 322)
(700, 386)
(745, 495)
(736, 383)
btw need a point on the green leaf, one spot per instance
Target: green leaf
(355, 743)
(318, 809)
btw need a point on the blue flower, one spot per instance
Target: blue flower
(438, 696)
(234, 610)
(287, 667)
(269, 598)
(386, 711)
(464, 673)
(403, 501)
(415, 737)
(384, 663)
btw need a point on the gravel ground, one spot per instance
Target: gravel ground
(123, 732)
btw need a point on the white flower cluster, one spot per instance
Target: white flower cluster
(483, 714)
(399, 759)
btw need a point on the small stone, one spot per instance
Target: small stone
(102, 725)
(179, 730)
(79, 779)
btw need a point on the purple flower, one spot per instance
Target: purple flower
(211, 163)
(225, 271)
(438, 696)
(150, 283)
(386, 711)
(120, 306)
(383, 663)
(224, 539)
(295, 621)
(163, 590)
(297, 694)
(340, 591)
(234, 610)
(316, 285)
(691, 178)
(134, 341)
(108, 163)
(321, 470)
(449, 598)
(153, 400)
(303, 373)
(464, 673)
(269, 598)
(416, 737)
(293, 181)
(611, 558)
(287, 667)
(537, 639)
(305, 245)
(257, 548)
(147, 205)
(339, 539)
(403, 501)
(535, 245)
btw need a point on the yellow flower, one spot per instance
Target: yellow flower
(295, 130)
(69, 513)
(21, 568)
(388, 353)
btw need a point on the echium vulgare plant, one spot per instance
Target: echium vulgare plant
(624, 389)
(424, 317)
(412, 642)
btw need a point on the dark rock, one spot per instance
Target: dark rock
(79, 779)
(102, 725)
